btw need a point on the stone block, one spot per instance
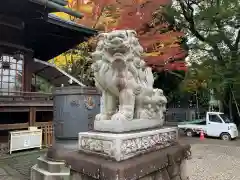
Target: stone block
(40, 174)
(183, 170)
(119, 126)
(123, 146)
(51, 166)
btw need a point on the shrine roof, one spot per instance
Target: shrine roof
(53, 36)
(42, 32)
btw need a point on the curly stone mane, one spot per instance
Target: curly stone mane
(125, 47)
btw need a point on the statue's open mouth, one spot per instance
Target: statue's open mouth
(118, 55)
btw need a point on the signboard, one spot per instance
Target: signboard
(26, 142)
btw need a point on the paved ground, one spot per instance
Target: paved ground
(17, 166)
(212, 159)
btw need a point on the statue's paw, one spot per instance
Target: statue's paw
(100, 117)
(162, 121)
(123, 116)
(118, 117)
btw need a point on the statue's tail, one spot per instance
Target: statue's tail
(149, 77)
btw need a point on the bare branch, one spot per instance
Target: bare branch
(98, 18)
(189, 17)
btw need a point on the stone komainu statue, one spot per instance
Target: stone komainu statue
(124, 80)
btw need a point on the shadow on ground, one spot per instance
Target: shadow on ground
(17, 166)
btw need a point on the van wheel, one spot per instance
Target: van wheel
(189, 133)
(225, 137)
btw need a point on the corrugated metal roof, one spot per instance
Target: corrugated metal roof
(53, 74)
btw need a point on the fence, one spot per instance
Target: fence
(47, 138)
(47, 129)
(183, 114)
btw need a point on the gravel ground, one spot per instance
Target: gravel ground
(212, 159)
(214, 162)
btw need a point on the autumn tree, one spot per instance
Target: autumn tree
(78, 64)
(161, 41)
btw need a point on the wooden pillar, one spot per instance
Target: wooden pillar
(27, 71)
(32, 116)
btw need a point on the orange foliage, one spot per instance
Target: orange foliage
(162, 47)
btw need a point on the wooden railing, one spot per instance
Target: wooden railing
(14, 126)
(47, 129)
(22, 96)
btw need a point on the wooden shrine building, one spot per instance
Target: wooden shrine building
(29, 31)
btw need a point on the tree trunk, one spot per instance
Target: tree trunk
(230, 105)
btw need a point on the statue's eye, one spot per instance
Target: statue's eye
(122, 36)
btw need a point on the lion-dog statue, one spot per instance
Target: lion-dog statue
(124, 80)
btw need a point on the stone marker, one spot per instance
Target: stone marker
(129, 141)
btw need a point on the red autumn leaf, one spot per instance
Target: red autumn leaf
(161, 43)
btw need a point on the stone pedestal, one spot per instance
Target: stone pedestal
(146, 155)
(123, 146)
(164, 164)
(49, 170)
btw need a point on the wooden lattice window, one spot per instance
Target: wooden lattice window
(11, 70)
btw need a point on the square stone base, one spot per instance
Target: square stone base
(125, 125)
(123, 146)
